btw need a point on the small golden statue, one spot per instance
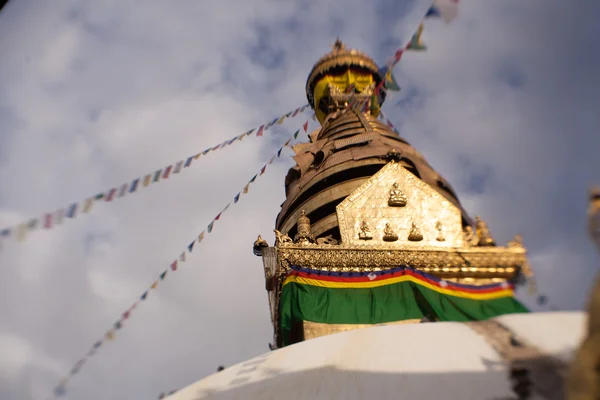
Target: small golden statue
(440, 229)
(388, 233)
(516, 242)
(304, 234)
(365, 232)
(483, 233)
(281, 239)
(259, 243)
(397, 198)
(415, 234)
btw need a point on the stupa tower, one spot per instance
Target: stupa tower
(369, 232)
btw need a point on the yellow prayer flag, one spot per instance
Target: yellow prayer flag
(197, 156)
(21, 232)
(154, 285)
(147, 180)
(243, 135)
(200, 237)
(281, 120)
(87, 206)
(246, 188)
(110, 335)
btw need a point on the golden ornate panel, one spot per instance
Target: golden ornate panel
(396, 209)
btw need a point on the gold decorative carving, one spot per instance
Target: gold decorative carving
(365, 232)
(440, 228)
(415, 234)
(304, 234)
(470, 237)
(369, 204)
(483, 234)
(470, 262)
(516, 242)
(281, 239)
(397, 198)
(388, 234)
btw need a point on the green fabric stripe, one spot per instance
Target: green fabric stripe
(394, 302)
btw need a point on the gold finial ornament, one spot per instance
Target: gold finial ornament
(281, 239)
(388, 233)
(483, 234)
(397, 197)
(470, 236)
(259, 243)
(415, 234)
(365, 231)
(304, 234)
(439, 227)
(340, 56)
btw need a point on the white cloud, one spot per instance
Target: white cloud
(98, 93)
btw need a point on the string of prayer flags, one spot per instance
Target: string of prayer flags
(51, 219)
(110, 335)
(445, 9)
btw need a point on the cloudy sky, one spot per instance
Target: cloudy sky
(94, 94)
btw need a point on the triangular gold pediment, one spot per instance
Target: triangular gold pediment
(395, 209)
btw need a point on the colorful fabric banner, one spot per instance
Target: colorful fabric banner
(50, 219)
(392, 295)
(173, 266)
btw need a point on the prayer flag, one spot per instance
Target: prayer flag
(123, 189)
(280, 121)
(174, 266)
(416, 42)
(143, 296)
(200, 237)
(246, 188)
(134, 184)
(296, 111)
(154, 285)
(236, 198)
(305, 126)
(111, 194)
(72, 210)
(260, 130)
(178, 167)
(147, 180)
(210, 227)
(157, 175)
(167, 172)
(182, 257)
(191, 246)
(163, 275)
(188, 162)
(262, 171)
(48, 221)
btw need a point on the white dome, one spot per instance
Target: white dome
(414, 361)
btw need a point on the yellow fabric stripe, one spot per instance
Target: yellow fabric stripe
(405, 278)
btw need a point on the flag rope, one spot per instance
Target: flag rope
(60, 389)
(51, 219)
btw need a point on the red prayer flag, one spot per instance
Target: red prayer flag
(126, 314)
(295, 112)
(262, 171)
(48, 221)
(260, 130)
(111, 194)
(174, 265)
(306, 126)
(167, 172)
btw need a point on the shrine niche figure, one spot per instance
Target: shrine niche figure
(484, 237)
(388, 233)
(440, 237)
(365, 231)
(415, 234)
(397, 198)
